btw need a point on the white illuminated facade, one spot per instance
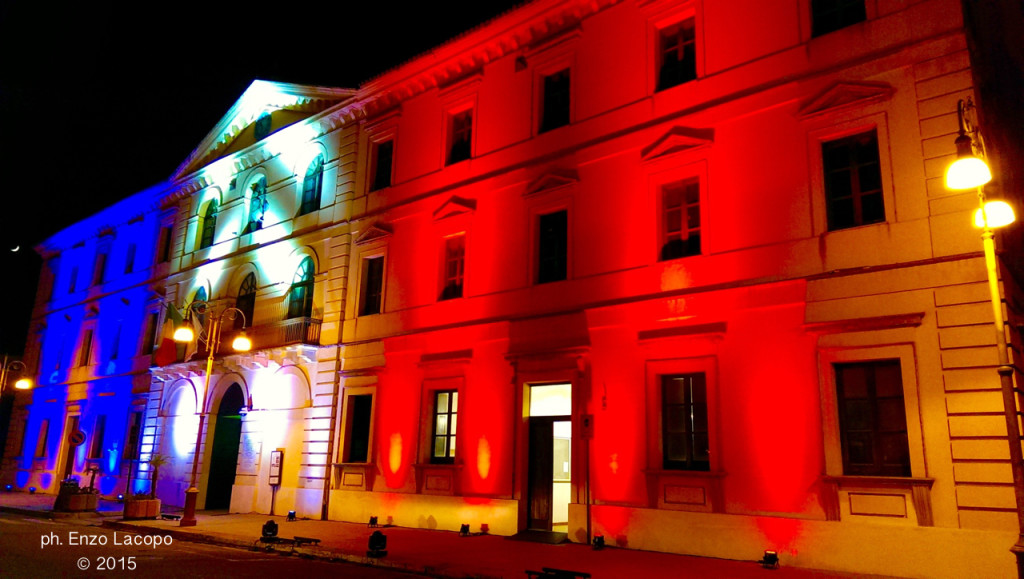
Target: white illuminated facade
(258, 217)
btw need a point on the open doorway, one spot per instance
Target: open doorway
(550, 461)
(224, 454)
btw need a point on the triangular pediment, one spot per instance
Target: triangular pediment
(552, 180)
(846, 94)
(286, 103)
(454, 206)
(677, 139)
(374, 232)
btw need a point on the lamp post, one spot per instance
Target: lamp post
(212, 337)
(9, 366)
(969, 171)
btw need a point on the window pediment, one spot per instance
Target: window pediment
(551, 181)
(374, 232)
(846, 94)
(677, 139)
(455, 206)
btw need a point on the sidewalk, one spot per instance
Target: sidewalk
(430, 552)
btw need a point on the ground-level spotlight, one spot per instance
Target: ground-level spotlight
(464, 531)
(31, 490)
(291, 515)
(770, 560)
(120, 498)
(8, 488)
(269, 530)
(598, 542)
(373, 522)
(378, 545)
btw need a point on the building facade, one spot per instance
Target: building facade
(684, 275)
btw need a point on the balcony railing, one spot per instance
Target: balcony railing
(283, 333)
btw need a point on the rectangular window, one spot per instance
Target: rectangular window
(555, 102)
(373, 286)
(74, 280)
(454, 266)
(85, 353)
(872, 419)
(680, 223)
(115, 347)
(383, 158)
(831, 15)
(164, 244)
(446, 406)
(132, 436)
(129, 258)
(553, 246)
(98, 428)
(99, 268)
(677, 54)
(357, 441)
(853, 181)
(684, 422)
(460, 136)
(152, 329)
(44, 431)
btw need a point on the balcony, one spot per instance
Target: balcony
(274, 334)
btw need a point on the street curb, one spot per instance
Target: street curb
(316, 553)
(40, 514)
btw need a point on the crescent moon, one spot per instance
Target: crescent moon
(16, 248)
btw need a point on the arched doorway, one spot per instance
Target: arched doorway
(224, 455)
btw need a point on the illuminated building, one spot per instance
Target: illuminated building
(684, 275)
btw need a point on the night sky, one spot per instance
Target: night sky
(99, 101)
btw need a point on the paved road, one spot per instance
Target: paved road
(31, 547)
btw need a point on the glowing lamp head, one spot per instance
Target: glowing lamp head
(23, 384)
(995, 214)
(241, 343)
(184, 334)
(968, 171)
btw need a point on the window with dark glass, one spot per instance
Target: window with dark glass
(684, 422)
(44, 431)
(446, 406)
(680, 204)
(99, 267)
(132, 437)
(96, 446)
(164, 253)
(831, 15)
(300, 296)
(152, 330)
(209, 224)
(553, 246)
(853, 181)
(460, 136)
(129, 258)
(262, 126)
(85, 353)
(383, 159)
(677, 54)
(312, 185)
(454, 266)
(115, 346)
(74, 280)
(555, 104)
(246, 301)
(357, 444)
(373, 286)
(872, 418)
(257, 205)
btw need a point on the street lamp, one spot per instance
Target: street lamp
(9, 366)
(211, 337)
(969, 171)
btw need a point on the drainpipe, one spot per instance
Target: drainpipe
(329, 467)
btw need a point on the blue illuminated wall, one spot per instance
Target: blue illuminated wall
(89, 344)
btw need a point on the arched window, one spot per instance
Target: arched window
(312, 185)
(257, 204)
(246, 301)
(209, 224)
(300, 296)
